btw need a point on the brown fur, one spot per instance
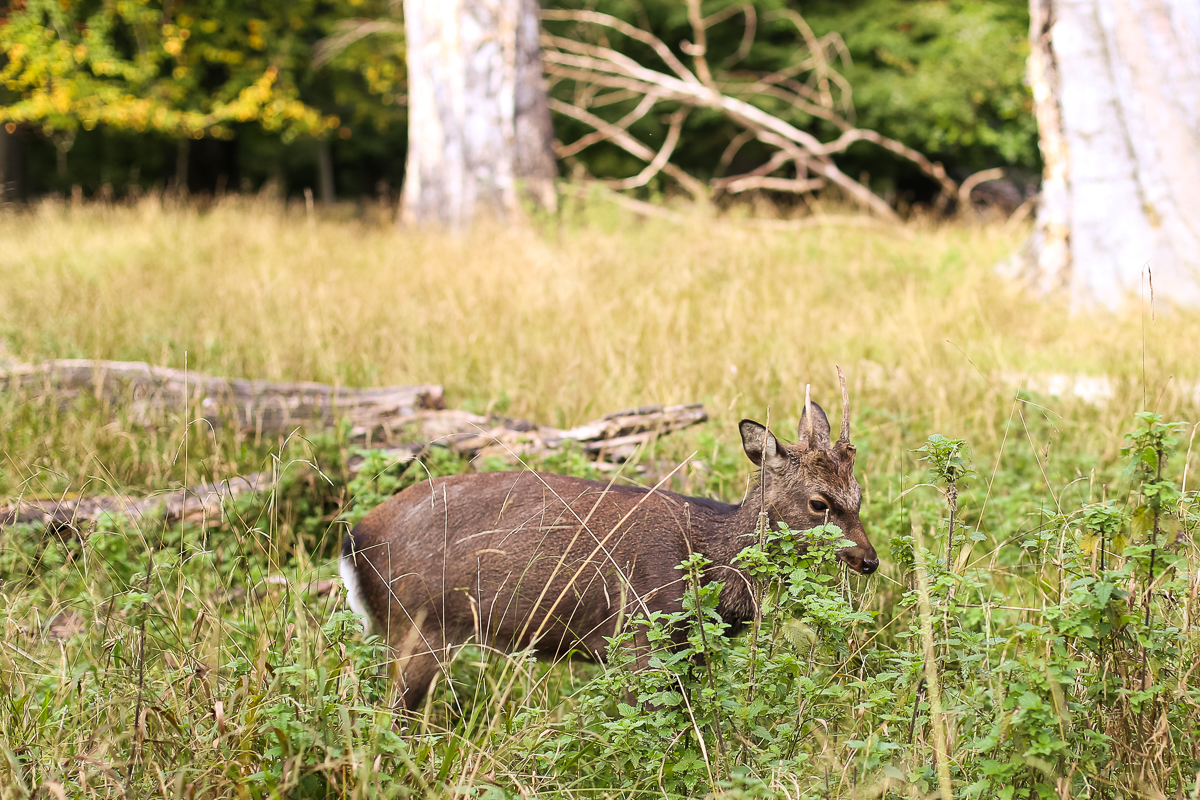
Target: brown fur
(517, 560)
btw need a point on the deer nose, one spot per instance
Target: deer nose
(869, 565)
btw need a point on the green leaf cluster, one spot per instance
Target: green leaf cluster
(192, 69)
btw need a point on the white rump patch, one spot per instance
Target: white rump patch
(354, 596)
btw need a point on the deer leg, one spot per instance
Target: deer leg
(419, 655)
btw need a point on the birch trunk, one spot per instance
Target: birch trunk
(1116, 87)
(479, 122)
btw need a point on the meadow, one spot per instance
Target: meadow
(1046, 650)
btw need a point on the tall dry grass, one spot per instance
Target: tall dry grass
(562, 319)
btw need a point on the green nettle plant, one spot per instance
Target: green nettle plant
(1089, 698)
(948, 467)
(710, 714)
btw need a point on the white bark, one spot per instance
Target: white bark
(479, 124)
(1117, 91)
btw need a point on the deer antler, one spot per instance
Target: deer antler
(845, 437)
(808, 411)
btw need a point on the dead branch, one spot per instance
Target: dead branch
(660, 159)
(935, 171)
(698, 47)
(645, 37)
(622, 138)
(603, 130)
(347, 32)
(777, 160)
(823, 92)
(150, 393)
(771, 129)
(193, 503)
(968, 186)
(611, 439)
(750, 182)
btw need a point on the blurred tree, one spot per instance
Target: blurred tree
(189, 69)
(1117, 86)
(181, 70)
(479, 125)
(942, 76)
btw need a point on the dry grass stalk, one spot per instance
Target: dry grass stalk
(937, 717)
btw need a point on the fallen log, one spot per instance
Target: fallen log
(613, 438)
(151, 392)
(610, 439)
(194, 502)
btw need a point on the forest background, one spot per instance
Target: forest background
(945, 78)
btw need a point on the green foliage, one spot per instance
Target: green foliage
(943, 76)
(946, 77)
(947, 464)
(697, 710)
(1053, 704)
(192, 70)
(948, 467)
(183, 70)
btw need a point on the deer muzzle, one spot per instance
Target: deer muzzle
(862, 559)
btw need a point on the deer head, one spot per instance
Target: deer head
(812, 482)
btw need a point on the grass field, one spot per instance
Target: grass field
(201, 661)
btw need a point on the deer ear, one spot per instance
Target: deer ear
(820, 429)
(760, 445)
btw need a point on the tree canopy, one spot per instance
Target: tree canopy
(115, 82)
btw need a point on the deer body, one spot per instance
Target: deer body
(516, 560)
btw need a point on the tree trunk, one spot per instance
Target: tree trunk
(325, 172)
(479, 121)
(10, 166)
(183, 150)
(1116, 87)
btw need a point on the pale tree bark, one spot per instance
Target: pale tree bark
(479, 122)
(1116, 87)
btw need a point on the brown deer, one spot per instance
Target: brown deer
(516, 560)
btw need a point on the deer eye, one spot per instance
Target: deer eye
(818, 506)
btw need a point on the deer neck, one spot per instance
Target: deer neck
(720, 534)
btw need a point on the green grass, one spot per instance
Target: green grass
(251, 682)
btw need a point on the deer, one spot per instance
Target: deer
(555, 564)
